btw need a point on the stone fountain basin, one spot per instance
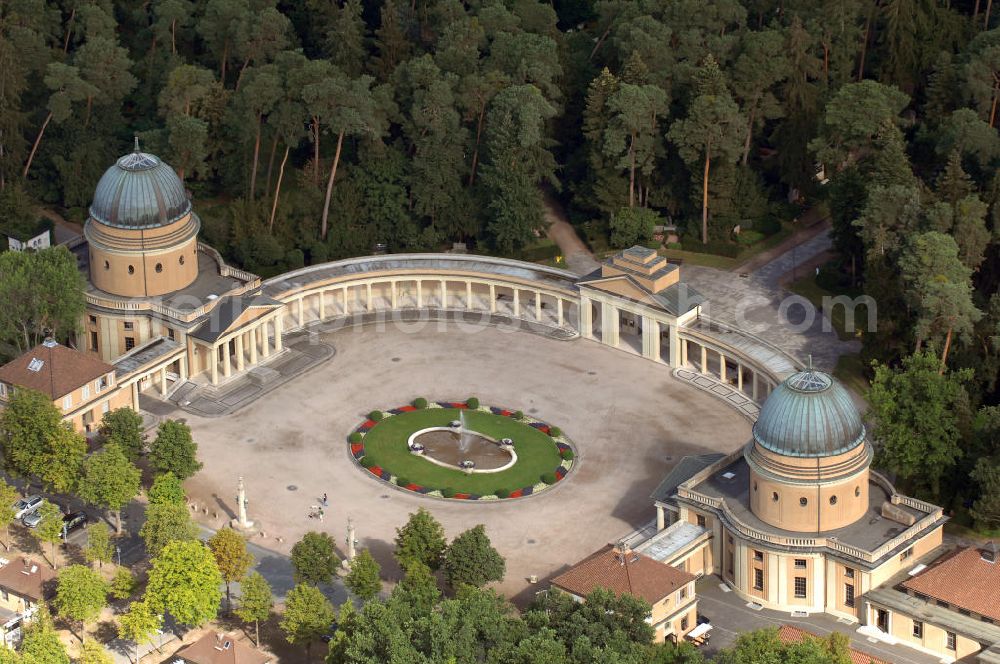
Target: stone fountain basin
(441, 447)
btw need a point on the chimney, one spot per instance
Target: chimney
(990, 552)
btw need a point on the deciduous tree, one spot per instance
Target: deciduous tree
(110, 481)
(8, 496)
(174, 450)
(164, 524)
(232, 557)
(471, 559)
(256, 602)
(364, 578)
(139, 624)
(314, 558)
(167, 490)
(308, 615)
(124, 427)
(421, 540)
(80, 595)
(185, 581)
(49, 528)
(99, 546)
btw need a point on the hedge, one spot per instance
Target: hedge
(567, 455)
(472, 402)
(502, 493)
(402, 481)
(420, 402)
(375, 416)
(448, 492)
(549, 478)
(555, 432)
(366, 462)
(355, 437)
(518, 415)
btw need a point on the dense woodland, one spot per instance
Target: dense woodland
(317, 129)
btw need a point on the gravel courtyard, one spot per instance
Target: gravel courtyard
(629, 419)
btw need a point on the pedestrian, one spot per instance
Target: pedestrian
(325, 504)
(321, 514)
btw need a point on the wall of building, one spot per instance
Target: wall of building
(118, 269)
(934, 638)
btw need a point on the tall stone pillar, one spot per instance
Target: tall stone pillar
(538, 305)
(279, 328)
(393, 294)
(135, 396)
(163, 382)
(213, 364)
(586, 318)
(517, 302)
(252, 334)
(265, 345)
(468, 294)
(322, 304)
(444, 294)
(704, 359)
(609, 324)
(227, 360)
(559, 311)
(301, 312)
(240, 360)
(493, 299)
(368, 304)
(675, 347)
(420, 294)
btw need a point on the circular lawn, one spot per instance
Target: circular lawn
(542, 459)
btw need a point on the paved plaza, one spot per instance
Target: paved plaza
(630, 420)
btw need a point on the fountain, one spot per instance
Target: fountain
(459, 447)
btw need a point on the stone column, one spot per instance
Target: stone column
(739, 377)
(350, 540)
(345, 299)
(301, 313)
(241, 506)
(660, 520)
(647, 339)
(240, 360)
(279, 328)
(214, 364)
(704, 359)
(253, 345)
(368, 306)
(722, 367)
(654, 339)
(393, 294)
(559, 310)
(753, 385)
(444, 294)
(468, 294)
(493, 298)
(684, 352)
(538, 306)
(609, 324)
(420, 294)
(135, 396)
(675, 347)
(163, 382)
(586, 318)
(517, 302)
(322, 304)
(227, 360)
(265, 346)
(182, 369)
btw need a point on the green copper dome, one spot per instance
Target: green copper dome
(809, 415)
(139, 191)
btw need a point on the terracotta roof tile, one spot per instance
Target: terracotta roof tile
(54, 369)
(640, 576)
(26, 578)
(212, 649)
(963, 579)
(789, 634)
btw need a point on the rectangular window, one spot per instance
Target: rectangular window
(849, 595)
(3, 593)
(800, 563)
(942, 603)
(987, 620)
(129, 343)
(800, 587)
(758, 555)
(105, 407)
(918, 629)
(93, 341)
(684, 592)
(170, 333)
(128, 326)
(684, 623)
(906, 554)
(701, 521)
(949, 640)
(67, 402)
(93, 320)
(848, 572)
(85, 392)
(3, 389)
(965, 612)
(758, 579)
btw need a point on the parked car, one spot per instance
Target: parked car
(32, 519)
(26, 506)
(73, 522)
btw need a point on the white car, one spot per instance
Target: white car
(26, 506)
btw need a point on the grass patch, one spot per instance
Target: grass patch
(850, 371)
(385, 446)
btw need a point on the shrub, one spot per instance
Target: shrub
(747, 238)
(472, 402)
(675, 245)
(366, 462)
(375, 416)
(402, 481)
(768, 224)
(502, 493)
(518, 415)
(448, 492)
(355, 437)
(555, 432)
(420, 402)
(567, 455)
(549, 478)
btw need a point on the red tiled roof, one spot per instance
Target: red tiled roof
(640, 575)
(789, 634)
(221, 649)
(26, 578)
(54, 370)
(963, 579)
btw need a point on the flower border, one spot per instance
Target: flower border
(357, 450)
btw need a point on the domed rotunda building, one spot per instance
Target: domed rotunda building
(795, 520)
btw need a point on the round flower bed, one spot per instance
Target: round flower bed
(544, 455)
